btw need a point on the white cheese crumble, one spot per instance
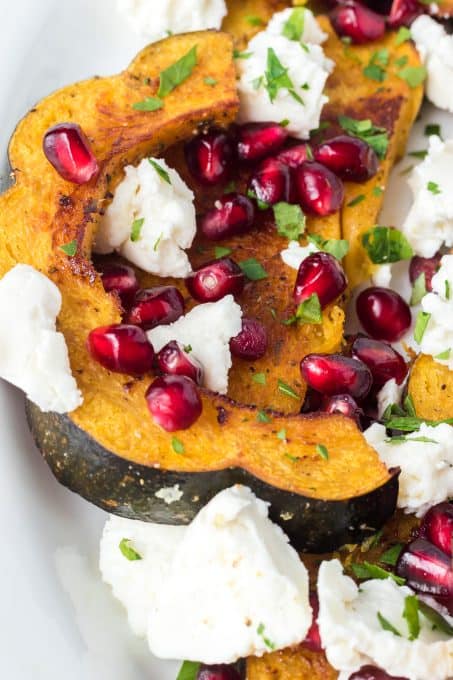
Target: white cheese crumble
(389, 394)
(33, 355)
(352, 635)
(382, 275)
(437, 339)
(151, 220)
(307, 68)
(207, 329)
(227, 586)
(169, 494)
(155, 20)
(436, 51)
(295, 254)
(429, 223)
(426, 461)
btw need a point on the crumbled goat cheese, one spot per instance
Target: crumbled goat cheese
(436, 50)
(389, 394)
(295, 254)
(437, 339)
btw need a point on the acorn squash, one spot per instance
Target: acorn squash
(431, 389)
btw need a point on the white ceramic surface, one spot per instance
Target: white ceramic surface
(57, 620)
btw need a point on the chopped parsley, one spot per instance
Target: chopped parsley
(177, 445)
(221, 251)
(260, 630)
(366, 570)
(403, 35)
(419, 289)
(128, 551)
(177, 73)
(376, 137)
(308, 311)
(254, 20)
(281, 434)
(241, 55)
(160, 170)
(284, 388)
(355, 201)
(421, 154)
(447, 289)
(391, 555)
(253, 270)
(377, 191)
(293, 29)
(189, 671)
(157, 242)
(433, 187)
(259, 378)
(436, 619)
(385, 245)
(289, 220)
(209, 80)
(277, 78)
(375, 70)
(433, 129)
(262, 417)
(136, 229)
(401, 61)
(386, 625)
(149, 104)
(421, 325)
(413, 75)
(69, 248)
(323, 451)
(410, 613)
(406, 438)
(336, 247)
(444, 356)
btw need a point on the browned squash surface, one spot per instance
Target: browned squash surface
(431, 388)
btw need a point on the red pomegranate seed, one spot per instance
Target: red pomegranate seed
(257, 140)
(210, 157)
(174, 359)
(313, 638)
(153, 307)
(251, 343)
(343, 404)
(319, 190)
(67, 148)
(174, 402)
(437, 527)
(320, 273)
(383, 313)
(294, 156)
(383, 361)
(403, 13)
(215, 280)
(333, 374)
(232, 214)
(119, 278)
(219, 672)
(426, 568)
(348, 157)
(122, 349)
(373, 673)
(353, 20)
(271, 183)
(424, 265)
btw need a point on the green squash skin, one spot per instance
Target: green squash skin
(128, 489)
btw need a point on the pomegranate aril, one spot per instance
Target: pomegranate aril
(424, 265)
(343, 404)
(67, 148)
(359, 23)
(218, 672)
(251, 343)
(383, 313)
(437, 527)
(373, 673)
(158, 306)
(210, 157)
(295, 155)
(348, 157)
(119, 278)
(122, 349)
(383, 361)
(332, 374)
(319, 190)
(320, 274)
(271, 183)
(215, 280)
(232, 214)
(313, 638)
(403, 13)
(258, 140)
(174, 402)
(175, 359)
(426, 568)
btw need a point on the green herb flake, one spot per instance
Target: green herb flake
(355, 201)
(289, 220)
(293, 459)
(157, 242)
(409, 406)
(285, 122)
(70, 249)
(407, 438)
(433, 187)
(366, 570)
(293, 29)
(385, 245)
(444, 356)
(189, 671)
(336, 247)
(447, 289)
(241, 55)
(323, 451)
(377, 191)
(128, 551)
(403, 35)
(177, 73)
(177, 445)
(433, 129)
(136, 229)
(209, 80)
(421, 325)
(253, 270)
(413, 75)
(259, 378)
(410, 613)
(375, 70)
(260, 630)
(411, 424)
(149, 104)
(188, 348)
(160, 170)
(376, 137)
(254, 20)
(401, 61)
(419, 289)
(262, 417)
(281, 434)
(221, 251)
(421, 154)
(391, 555)
(436, 619)
(286, 389)
(308, 311)
(386, 625)
(277, 78)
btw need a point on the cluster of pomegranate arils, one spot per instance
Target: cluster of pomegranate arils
(364, 22)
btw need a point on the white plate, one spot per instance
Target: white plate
(57, 618)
